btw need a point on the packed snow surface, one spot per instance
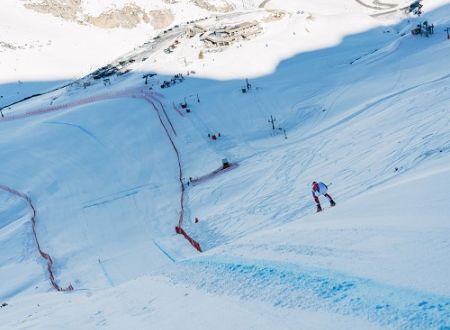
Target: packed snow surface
(356, 102)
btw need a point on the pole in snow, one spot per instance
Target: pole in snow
(247, 84)
(448, 32)
(272, 121)
(146, 76)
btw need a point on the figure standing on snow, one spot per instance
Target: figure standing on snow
(320, 188)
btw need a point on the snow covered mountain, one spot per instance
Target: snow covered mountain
(116, 210)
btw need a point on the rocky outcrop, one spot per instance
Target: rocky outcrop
(127, 17)
(8, 46)
(65, 9)
(224, 7)
(160, 18)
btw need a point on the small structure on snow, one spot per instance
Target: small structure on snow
(225, 163)
(195, 29)
(225, 36)
(423, 29)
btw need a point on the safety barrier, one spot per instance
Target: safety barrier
(178, 229)
(139, 93)
(43, 254)
(213, 174)
(165, 114)
(131, 92)
(193, 242)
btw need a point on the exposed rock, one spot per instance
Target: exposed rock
(275, 15)
(225, 7)
(7, 45)
(310, 17)
(128, 16)
(65, 9)
(160, 18)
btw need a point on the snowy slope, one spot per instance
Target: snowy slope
(46, 52)
(49, 51)
(362, 110)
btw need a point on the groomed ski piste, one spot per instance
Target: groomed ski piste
(115, 212)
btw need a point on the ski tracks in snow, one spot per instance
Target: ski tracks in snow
(293, 286)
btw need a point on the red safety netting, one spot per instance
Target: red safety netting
(179, 229)
(213, 174)
(43, 254)
(150, 97)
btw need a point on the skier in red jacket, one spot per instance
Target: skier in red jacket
(320, 188)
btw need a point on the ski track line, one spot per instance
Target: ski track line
(130, 93)
(164, 252)
(369, 105)
(81, 128)
(177, 110)
(377, 5)
(43, 254)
